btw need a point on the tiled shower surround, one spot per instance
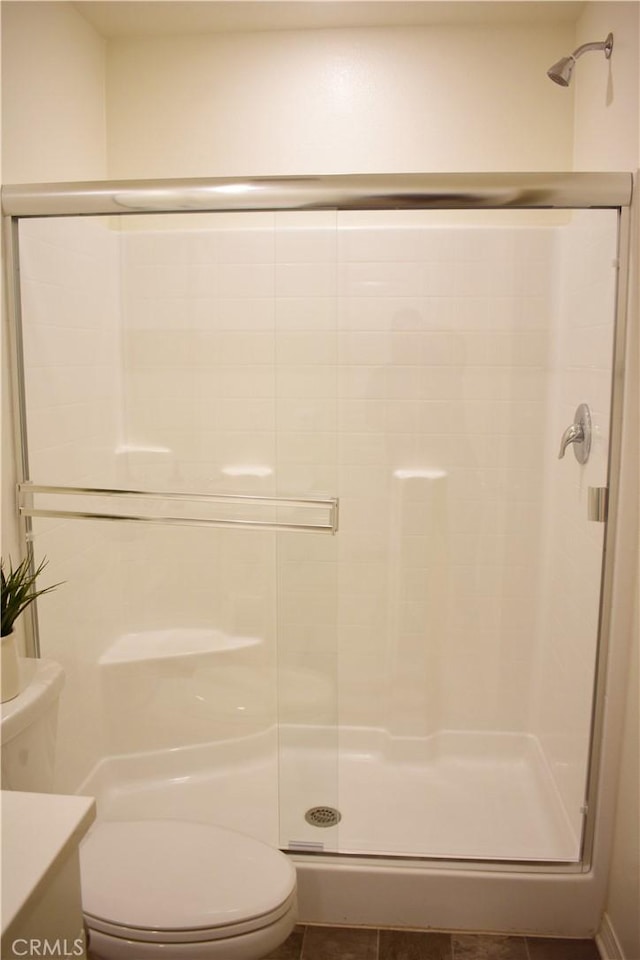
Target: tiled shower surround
(422, 368)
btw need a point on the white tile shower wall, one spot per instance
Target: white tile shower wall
(70, 307)
(200, 413)
(402, 369)
(443, 339)
(567, 631)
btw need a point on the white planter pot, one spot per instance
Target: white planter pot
(10, 676)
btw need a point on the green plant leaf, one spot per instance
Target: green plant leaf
(19, 589)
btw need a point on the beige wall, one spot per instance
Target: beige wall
(606, 138)
(339, 101)
(53, 94)
(606, 106)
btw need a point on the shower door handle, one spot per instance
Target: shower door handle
(578, 434)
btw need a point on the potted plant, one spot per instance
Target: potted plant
(18, 591)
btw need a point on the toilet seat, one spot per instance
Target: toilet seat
(172, 881)
(199, 935)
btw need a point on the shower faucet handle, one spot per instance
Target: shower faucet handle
(573, 434)
(578, 434)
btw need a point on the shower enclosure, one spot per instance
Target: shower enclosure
(293, 448)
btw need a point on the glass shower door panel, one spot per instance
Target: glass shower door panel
(464, 346)
(148, 355)
(182, 357)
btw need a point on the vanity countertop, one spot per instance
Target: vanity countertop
(39, 830)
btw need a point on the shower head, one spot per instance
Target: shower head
(561, 71)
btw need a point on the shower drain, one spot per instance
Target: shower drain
(323, 816)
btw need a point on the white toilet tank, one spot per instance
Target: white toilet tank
(28, 727)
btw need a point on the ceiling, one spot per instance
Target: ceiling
(124, 18)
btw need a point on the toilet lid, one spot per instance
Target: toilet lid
(173, 875)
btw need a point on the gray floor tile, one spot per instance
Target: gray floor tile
(488, 947)
(414, 945)
(291, 948)
(310, 942)
(339, 943)
(547, 948)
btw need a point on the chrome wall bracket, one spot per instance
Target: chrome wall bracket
(597, 504)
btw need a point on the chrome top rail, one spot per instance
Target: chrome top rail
(327, 522)
(437, 191)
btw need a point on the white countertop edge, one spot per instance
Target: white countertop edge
(39, 830)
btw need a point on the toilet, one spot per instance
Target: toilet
(155, 889)
(171, 888)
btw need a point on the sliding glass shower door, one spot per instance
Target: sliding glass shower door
(349, 593)
(469, 556)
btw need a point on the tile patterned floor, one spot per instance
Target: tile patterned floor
(359, 943)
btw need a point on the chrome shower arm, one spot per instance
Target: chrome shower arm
(606, 45)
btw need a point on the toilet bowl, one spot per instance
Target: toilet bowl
(172, 889)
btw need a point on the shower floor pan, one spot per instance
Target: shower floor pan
(486, 796)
